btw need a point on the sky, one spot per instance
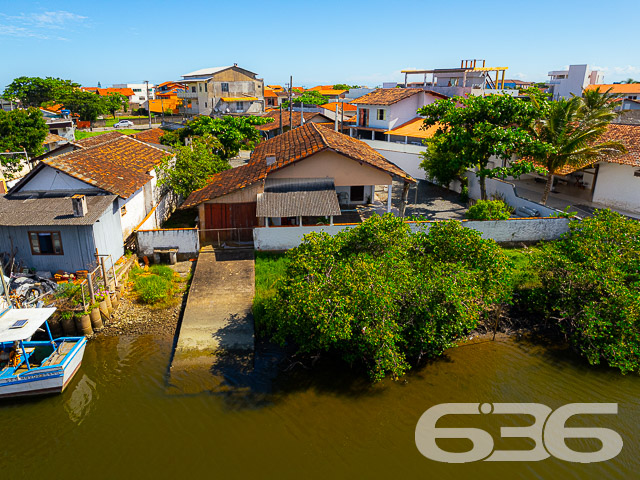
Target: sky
(319, 43)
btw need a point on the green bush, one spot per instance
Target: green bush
(489, 210)
(591, 287)
(381, 295)
(152, 288)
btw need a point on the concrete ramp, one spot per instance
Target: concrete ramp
(217, 329)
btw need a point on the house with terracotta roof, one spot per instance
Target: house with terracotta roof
(387, 120)
(613, 182)
(345, 110)
(329, 92)
(287, 121)
(629, 94)
(304, 174)
(228, 90)
(110, 164)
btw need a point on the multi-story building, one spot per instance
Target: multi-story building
(139, 92)
(472, 78)
(222, 91)
(563, 83)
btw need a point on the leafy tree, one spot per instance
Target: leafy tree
(474, 129)
(233, 133)
(591, 288)
(36, 91)
(568, 133)
(21, 129)
(115, 102)
(381, 296)
(86, 104)
(344, 86)
(310, 97)
(193, 166)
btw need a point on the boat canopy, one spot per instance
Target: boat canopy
(21, 323)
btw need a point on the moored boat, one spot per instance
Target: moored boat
(35, 367)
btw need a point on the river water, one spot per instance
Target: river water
(120, 419)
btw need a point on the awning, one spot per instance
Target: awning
(299, 197)
(413, 128)
(238, 99)
(21, 323)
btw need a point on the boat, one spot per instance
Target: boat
(35, 367)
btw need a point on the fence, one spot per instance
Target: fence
(141, 120)
(511, 231)
(228, 237)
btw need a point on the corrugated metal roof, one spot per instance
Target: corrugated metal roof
(22, 210)
(298, 204)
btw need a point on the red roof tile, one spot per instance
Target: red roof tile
(386, 96)
(149, 136)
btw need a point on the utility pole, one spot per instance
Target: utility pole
(148, 103)
(291, 100)
(302, 114)
(162, 108)
(335, 119)
(280, 119)
(341, 117)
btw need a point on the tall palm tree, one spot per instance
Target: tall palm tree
(629, 80)
(569, 130)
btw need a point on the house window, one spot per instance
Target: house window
(45, 243)
(193, 89)
(205, 104)
(123, 210)
(225, 87)
(200, 87)
(137, 89)
(205, 87)
(140, 98)
(382, 114)
(357, 193)
(239, 106)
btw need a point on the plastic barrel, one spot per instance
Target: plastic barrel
(83, 324)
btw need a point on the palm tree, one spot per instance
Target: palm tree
(569, 130)
(629, 80)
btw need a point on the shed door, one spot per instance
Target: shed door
(230, 221)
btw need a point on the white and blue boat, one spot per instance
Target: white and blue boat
(35, 367)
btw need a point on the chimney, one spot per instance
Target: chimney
(79, 205)
(271, 159)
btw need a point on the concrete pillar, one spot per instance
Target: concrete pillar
(299, 221)
(405, 198)
(389, 187)
(331, 220)
(266, 222)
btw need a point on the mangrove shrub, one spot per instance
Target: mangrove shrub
(591, 287)
(382, 296)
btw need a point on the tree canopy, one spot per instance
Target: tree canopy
(115, 102)
(193, 165)
(344, 86)
(21, 129)
(310, 97)
(232, 133)
(380, 296)
(471, 131)
(567, 132)
(86, 104)
(36, 91)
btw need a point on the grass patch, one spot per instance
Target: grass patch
(80, 134)
(270, 268)
(154, 286)
(523, 276)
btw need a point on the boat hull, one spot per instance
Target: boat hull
(43, 381)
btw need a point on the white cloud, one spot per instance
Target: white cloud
(38, 25)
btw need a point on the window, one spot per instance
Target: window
(225, 87)
(357, 193)
(193, 89)
(123, 210)
(141, 98)
(239, 106)
(200, 87)
(205, 87)
(137, 89)
(382, 114)
(45, 243)
(205, 104)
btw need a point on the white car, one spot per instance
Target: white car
(123, 124)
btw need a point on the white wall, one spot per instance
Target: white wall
(184, 239)
(135, 212)
(502, 231)
(616, 186)
(405, 156)
(49, 179)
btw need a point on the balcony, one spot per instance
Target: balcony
(188, 94)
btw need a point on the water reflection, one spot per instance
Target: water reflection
(81, 400)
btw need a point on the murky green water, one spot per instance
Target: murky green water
(118, 419)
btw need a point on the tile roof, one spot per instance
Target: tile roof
(348, 107)
(149, 136)
(619, 88)
(413, 128)
(96, 140)
(291, 146)
(25, 210)
(275, 114)
(227, 181)
(103, 92)
(269, 93)
(628, 135)
(52, 137)
(386, 96)
(119, 166)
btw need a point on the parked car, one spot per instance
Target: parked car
(123, 124)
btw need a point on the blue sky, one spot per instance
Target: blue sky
(327, 42)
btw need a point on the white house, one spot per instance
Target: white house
(387, 120)
(118, 165)
(139, 92)
(563, 83)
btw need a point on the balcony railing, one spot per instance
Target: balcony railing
(187, 94)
